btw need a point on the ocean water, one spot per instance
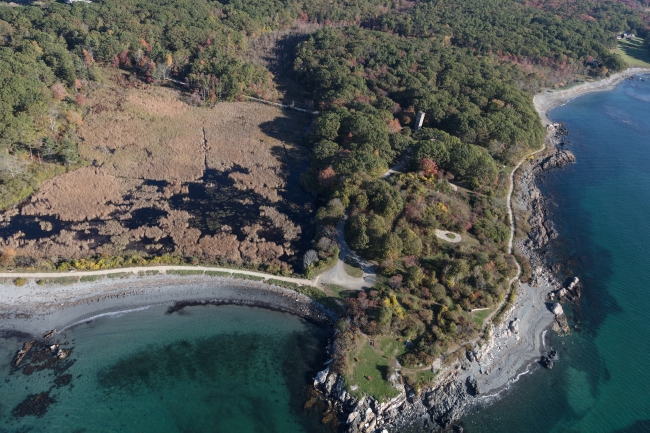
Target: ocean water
(201, 369)
(601, 209)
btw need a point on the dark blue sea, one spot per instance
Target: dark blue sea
(601, 209)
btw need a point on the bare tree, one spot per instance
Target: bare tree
(12, 165)
(162, 72)
(309, 258)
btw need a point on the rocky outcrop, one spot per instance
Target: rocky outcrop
(549, 359)
(23, 352)
(541, 228)
(559, 159)
(433, 409)
(561, 325)
(570, 293)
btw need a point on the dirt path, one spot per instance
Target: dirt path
(161, 269)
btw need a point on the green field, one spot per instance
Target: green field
(479, 317)
(353, 270)
(633, 52)
(374, 363)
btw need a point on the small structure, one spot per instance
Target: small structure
(419, 120)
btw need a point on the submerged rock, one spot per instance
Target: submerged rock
(34, 404)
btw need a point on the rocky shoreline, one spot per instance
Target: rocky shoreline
(513, 348)
(534, 248)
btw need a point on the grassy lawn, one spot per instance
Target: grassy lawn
(420, 379)
(479, 317)
(374, 362)
(340, 291)
(633, 52)
(353, 270)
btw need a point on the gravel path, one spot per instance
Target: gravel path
(161, 269)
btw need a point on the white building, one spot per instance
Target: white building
(419, 120)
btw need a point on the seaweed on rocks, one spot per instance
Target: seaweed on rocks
(34, 405)
(63, 380)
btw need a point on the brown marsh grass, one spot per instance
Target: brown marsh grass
(146, 148)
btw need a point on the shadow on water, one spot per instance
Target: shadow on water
(236, 373)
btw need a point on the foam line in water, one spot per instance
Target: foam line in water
(544, 339)
(109, 314)
(510, 382)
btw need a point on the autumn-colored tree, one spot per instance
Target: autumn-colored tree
(395, 281)
(80, 99)
(428, 167)
(58, 91)
(394, 126)
(327, 177)
(74, 118)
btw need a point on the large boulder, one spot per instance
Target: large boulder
(557, 309)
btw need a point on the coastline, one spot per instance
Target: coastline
(516, 345)
(35, 309)
(549, 99)
(476, 378)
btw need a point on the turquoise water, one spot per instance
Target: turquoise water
(602, 212)
(202, 369)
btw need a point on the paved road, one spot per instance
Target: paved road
(161, 269)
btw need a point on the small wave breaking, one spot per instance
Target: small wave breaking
(108, 314)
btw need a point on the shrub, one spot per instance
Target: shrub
(120, 275)
(20, 282)
(248, 277)
(217, 274)
(184, 272)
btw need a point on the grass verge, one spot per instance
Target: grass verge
(247, 277)
(184, 272)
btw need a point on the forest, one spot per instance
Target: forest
(369, 67)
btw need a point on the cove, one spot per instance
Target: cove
(201, 368)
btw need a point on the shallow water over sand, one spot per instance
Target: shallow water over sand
(602, 214)
(204, 368)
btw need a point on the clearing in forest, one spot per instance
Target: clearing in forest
(634, 52)
(164, 176)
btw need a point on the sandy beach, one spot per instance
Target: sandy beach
(35, 309)
(549, 99)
